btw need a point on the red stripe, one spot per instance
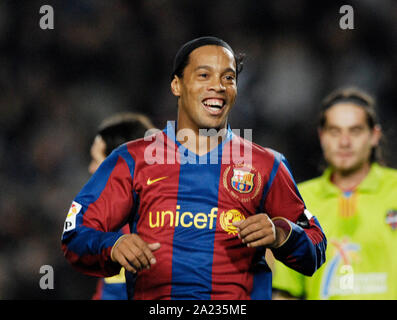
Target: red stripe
(83, 263)
(156, 282)
(231, 262)
(314, 232)
(282, 199)
(115, 198)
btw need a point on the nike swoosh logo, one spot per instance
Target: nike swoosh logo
(149, 182)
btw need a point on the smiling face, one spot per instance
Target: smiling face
(347, 139)
(207, 89)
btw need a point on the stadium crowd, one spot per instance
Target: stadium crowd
(104, 57)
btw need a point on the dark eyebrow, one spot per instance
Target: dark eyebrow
(230, 70)
(209, 68)
(357, 126)
(203, 67)
(331, 126)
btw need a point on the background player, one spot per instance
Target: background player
(112, 132)
(355, 199)
(199, 229)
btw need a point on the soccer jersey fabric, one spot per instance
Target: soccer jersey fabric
(188, 203)
(361, 228)
(112, 288)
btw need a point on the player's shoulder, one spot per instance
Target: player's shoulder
(258, 151)
(135, 149)
(388, 175)
(137, 145)
(311, 184)
(267, 152)
(390, 172)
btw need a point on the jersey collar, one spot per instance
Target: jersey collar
(372, 180)
(369, 184)
(170, 131)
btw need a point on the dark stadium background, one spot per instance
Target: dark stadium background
(109, 56)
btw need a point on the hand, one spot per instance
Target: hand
(259, 230)
(133, 253)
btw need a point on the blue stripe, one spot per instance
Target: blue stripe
(262, 286)
(123, 151)
(134, 217)
(278, 159)
(193, 248)
(299, 252)
(287, 166)
(276, 164)
(329, 273)
(114, 291)
(130, 279)
(92, 242)
(262, 283)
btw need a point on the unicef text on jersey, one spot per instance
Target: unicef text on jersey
(236, 149)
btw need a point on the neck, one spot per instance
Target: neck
(349, 180)
(200, 141)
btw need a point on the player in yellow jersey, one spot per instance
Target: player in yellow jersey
(356, 201)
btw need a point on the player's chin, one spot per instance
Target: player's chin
(217, 125)
(216, 122)
(346, 168)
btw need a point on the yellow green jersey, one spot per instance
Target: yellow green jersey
(361, 228)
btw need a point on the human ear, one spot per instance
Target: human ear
(376, 135)
(175, 86)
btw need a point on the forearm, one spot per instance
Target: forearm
(304, 248)
(88, 250)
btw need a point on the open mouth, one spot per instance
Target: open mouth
(214, 105)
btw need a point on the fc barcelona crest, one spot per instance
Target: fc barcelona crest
(242, 180)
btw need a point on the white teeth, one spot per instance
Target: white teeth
(213, 103)
(213, 108)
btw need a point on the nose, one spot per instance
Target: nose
(216, 84)
(345, 140)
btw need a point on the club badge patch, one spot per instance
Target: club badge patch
(243, 182)
(391, 219)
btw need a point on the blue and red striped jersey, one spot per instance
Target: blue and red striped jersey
(112, 288)
(188, 202)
